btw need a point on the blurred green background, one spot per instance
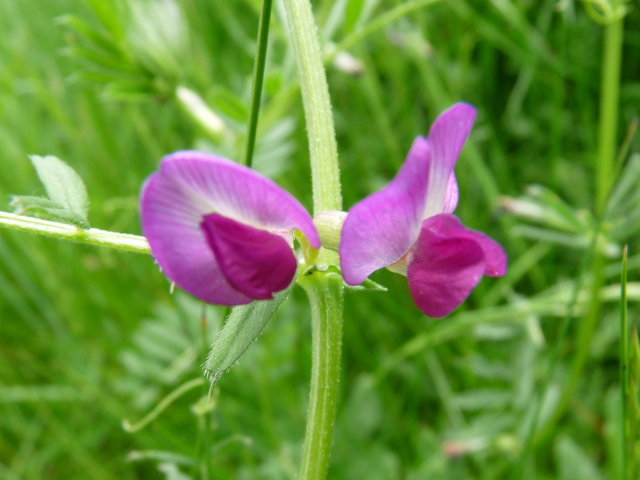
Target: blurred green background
(90, 337)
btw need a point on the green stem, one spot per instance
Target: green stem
(258, 78)
(90, 236)
(607, 132)
(326, 298)
(323, 150)
(162, 405)
(324, 288)
(609, 100)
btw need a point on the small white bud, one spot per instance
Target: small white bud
(329, 225)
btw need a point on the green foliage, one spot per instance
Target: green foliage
(68, 201)
(165, 350)
(633, 408)
(244, 325)
(136, 49)
(89, 338)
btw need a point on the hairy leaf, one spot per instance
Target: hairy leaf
(243, 326)
(63, 185)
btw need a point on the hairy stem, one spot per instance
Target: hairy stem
(325, 295)
(324, 289)
(90, 236)
(323, 151)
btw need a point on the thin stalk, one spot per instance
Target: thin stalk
(258, 79)
(326, 298)
(90, 236)
(609, 101)
(163, 405)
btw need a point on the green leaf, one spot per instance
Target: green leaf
(98, 58)
(63, 185)
(131, 91)
(244, 325)
(110, 15)
(47, 209)
(21, 203)
(91, 35)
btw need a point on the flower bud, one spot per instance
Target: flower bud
(329, 226)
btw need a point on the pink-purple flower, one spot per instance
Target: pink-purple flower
(409, 228)
(221, 231)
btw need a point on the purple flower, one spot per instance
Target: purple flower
(221, 231)
(408, 226)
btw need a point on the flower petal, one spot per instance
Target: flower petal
(170, 221)
(237, 192)
(443, 271)
(381, 228)
(446, 138)
(190, 185)
(451, 195)
(451, 226)
(255, 262)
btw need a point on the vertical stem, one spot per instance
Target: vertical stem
(609, 99)
(258, 78)
(607, 132)
(326, 298)
(324, 289)
(317, 107)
